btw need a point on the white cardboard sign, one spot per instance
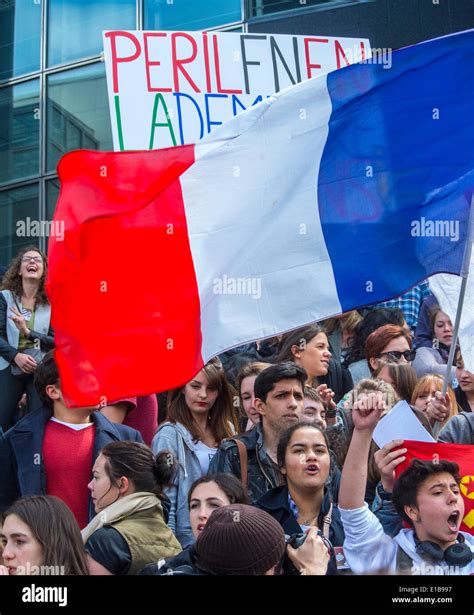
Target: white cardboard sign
(172, 88)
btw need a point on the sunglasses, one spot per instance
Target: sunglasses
(396, 355)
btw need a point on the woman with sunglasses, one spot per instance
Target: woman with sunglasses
(388, 344)
(25, 331)
(433, 359)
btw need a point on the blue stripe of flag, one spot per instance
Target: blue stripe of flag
(400, 148)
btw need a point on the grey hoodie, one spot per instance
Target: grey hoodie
(459, 429)
(176, 438)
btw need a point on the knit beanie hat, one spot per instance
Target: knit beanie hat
(239, 540)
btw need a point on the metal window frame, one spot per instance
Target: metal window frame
(314, 8)
(45, 71)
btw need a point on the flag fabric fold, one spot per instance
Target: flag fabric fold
(339, 192)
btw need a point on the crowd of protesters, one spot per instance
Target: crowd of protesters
(263, 463)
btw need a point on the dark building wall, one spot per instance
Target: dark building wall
(386, 23)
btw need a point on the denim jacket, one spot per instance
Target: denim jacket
(175, 438)
(384, 510)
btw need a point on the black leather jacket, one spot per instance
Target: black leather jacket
(262, 474)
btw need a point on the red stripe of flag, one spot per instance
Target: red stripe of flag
(123, 275)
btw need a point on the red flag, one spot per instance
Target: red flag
(125, 306)
(461, 454)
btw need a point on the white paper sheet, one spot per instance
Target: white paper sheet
(400, 424)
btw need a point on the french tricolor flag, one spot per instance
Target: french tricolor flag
(339, 192)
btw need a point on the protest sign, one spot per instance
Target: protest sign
(173, 88)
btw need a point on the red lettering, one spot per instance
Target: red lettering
(148, 62)
(115, 59)
(307, 41)
(218, 71)
(178, 63)
(340, 51)
(362, 50)
(206, 62)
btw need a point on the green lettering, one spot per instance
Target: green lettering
(119, 122)
(155, 124)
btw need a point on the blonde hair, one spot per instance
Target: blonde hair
(369, 385)
(423, 387)
(347, 322)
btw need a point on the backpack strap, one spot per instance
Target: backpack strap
(243, 458)
(327, 523)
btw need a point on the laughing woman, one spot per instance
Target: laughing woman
(25, 332)
(200, 415)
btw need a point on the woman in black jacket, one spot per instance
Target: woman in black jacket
(304, 501)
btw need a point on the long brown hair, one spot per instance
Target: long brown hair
(403, 376)
(55, 528)
(299, 337)
(223, 416)
(12, 280)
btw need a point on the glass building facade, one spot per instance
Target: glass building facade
(53, 94)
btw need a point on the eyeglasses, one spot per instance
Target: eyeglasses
(37, 259)
(396, 355)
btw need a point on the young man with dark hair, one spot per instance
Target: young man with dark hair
(426, 495)
(51, 451)
(279, 400)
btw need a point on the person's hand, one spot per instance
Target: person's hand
(312, 558)
(4, 571)
(26, 363)
(327, 394)
(19, 321)
(367, 410)
(439, 408)
(387, 460)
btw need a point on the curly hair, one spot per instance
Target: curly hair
(13, 282)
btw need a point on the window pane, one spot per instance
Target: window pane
(78, 112)
(265, 7)
(190, 14)
(20, 24)
(19, 208)
(19, 131)
(75, 26)
(52, 195)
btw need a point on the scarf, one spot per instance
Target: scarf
(122, 508)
